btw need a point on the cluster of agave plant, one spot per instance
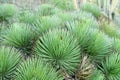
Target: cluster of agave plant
(56, 42)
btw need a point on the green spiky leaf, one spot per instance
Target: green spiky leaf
(35, 69)
(116, 45)
(97, 75)
(92, 8)
(19, 36)
(47, 9)
(92, 42)
(111, 67)
(9, 59)
(60, 49)
(98, 45)
(63, 4)
(47, 22)
(7, 11)
(27, 16)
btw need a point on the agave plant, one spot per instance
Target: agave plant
(65, 17)
(7, 11)
(98, 46)
(35, 69)
(109, 29)
(96, 75)
(64, 4)
(93, 42)
(111, 67)
(60, 49)
(45, 23)
(9, 60)
(84, 17)
(81, 30)
(116, 45)
(27, 16)
(47, 9)
(92, 8)
(19, 36)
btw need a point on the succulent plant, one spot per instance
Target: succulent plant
(19, 36)
(111, 67)
(9, 60)
(92, 8)
(7, 11)
(36, 69)
(60, 49)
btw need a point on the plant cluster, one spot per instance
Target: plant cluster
(55, 42)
